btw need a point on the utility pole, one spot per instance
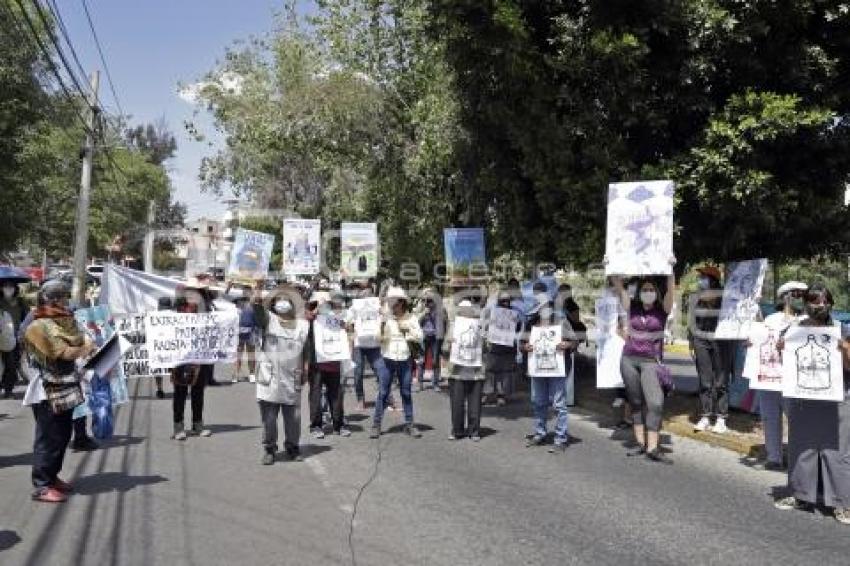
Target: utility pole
(82, 226)
(149, 237)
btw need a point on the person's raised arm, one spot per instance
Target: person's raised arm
(670, 295)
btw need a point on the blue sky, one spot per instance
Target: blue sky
(153, 45)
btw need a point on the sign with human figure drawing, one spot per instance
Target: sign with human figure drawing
(502, 326)
(545, 360)
(811, 364)
(763, 362)
(331, 340)
(466, 342)
(639, 236)
(741, 295)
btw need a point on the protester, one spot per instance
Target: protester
(400, 330)
(16, 307)
(327, 375)
(714, 358)
(367, 345)
(247, 329)
(789, 311)
(281, 372)
(500, 360)
(433, 320)
(163, 304)
(572, 312)
(550, 391)
(819, 433)
(466, 385)
(55, 348)
(641, 356)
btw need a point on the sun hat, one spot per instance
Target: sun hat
(791, 286)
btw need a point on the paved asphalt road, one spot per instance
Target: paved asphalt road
(145, 499)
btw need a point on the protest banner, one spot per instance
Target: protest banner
(545, 360)
(358, 250)
(811, 364)
(763, 362)
(330, 339)
(251, 254)
(609, 344)
(174, 339)
(639, 236)
(99, 326)
(466, 347)
(465, 255)
(301, 246)
(136, 362)
(502, 326)
(367, 317)
(741, 295)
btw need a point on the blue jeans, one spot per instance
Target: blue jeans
(770, 407)
(385, 381)
(546, 391)
(435, 345)
(360, 356)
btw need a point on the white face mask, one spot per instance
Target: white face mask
(8, 292)
(704, 283)
(282, 307)
(648, 297)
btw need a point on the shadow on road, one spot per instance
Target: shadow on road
(218, 429)
(120, 442)
(16, 460)
(8, 539)
(107, 482)
(310, 450)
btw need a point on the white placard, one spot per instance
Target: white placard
(609, 344)
(131, 327)
(330, 339)
(639, 236)
(367, 318)
(546, 360)
(302, 246)
(763, 364)
(502, 326)
(175, 339)
(811, 364)
(741, 295)
(466, 342)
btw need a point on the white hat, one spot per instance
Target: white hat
(465, 303)
(320, 297)
(396, 293)
(791, 286)
(196, 283)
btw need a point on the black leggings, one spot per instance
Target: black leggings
(180, 394)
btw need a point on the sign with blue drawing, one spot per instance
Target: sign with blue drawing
(465, 254)
(252, 252)
(302, 246)
(639, 237)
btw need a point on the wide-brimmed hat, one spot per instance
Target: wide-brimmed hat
(710, 271)
(791, 286)
(196, 283)
(397, 293)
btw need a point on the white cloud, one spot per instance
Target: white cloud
(229, 83)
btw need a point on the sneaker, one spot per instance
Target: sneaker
(294, 455)
(252, 378)
(199, 430)
(558, 447)
(85, 444)
(62, 486)
(501, 402)
(657, 456)
(720, 426)
(703, 425)
(317, 433)
(160, 394)
(375, 431)
(791, 502)
(268, 458)
(842, 515)
(639, 451)
(234, 380)
(475, 438)
(535, 440)
(49, 495)
(774, 467)
(453, 436)
(180, 435)
(618, 402)
(411, 431)
(344, 432)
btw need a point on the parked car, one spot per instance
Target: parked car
(95, 271)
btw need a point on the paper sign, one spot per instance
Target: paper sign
(367, 317)
(763, 364)
(99, 326)
(466, 342)
(502, 326)
(609, 344)
(135, 361)
(546, 360)
(358, 250)
(330, 339)
(252, 252)
(811, 364)
(301, 246)
(465, 254)
(741, 296)
(175, 339)
(639, 237)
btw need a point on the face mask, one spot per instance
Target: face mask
(648, 297)
(632, 290)
(796, 304)
(282, 307)
(704, 283)
(325, 308)
(541, 297)
(817, 312)
(8, 292)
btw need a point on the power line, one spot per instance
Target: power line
(102, 57)
(57, 16)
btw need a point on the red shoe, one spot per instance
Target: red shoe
(50, 495)
(63, 486)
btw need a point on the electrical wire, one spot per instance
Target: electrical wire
(102, 57)
(57, 17)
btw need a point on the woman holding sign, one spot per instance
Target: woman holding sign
(647, 318)
(466, 383)
(818, 430)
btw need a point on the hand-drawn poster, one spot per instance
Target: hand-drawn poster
(763, 363)
(741, 295)
(639, 238)
(811, 364)
(252, 252)
(465, 254)
(301, 246)
(99, 326)
(175, 339)
(502, 326)
(330, 339)
(466, 342)
(131, 327)
(546, 360)
(367, 318)
(358, 250)
(609, 344)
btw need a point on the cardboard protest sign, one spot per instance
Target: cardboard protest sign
(741, 295)
(135, 361)
(811, 364)
(609, 344)
(546, 360)
(358, 249)
(502, 326)
(465, 254)
(467, 345)
(763, 363)
(251, 254)
(175, 339)
(639, 237)
(302, 246)
(330, 339)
